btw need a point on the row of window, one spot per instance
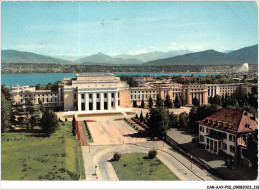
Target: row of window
(224, 135)
(98, 105)
(97, 95)
(231, 147)
(43, 98)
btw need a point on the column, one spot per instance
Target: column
(79, 102)
(189, 97)
(102, 101)
(94, 101)
(109, 100)
(86, 102)
(116, 100)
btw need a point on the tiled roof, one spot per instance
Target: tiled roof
(231, 120)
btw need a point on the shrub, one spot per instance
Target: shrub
(66, 119)
(116, 156)
(152, 154)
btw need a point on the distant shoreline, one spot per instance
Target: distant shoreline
(98, 72)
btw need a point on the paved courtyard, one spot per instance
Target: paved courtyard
(107, 131)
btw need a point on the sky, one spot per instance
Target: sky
(84, 28)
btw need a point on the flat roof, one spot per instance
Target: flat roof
(96, 74)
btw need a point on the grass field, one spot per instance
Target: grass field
(33, 156)
(136, 166)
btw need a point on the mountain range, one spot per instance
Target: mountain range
(14, 56)
(181, 57)
(211, 57)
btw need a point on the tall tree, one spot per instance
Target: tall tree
(159, 101)
(217, 100)
(141, 117)
(177, 102)
(6, 92)
(150, 102)
(142, 103)
(195, 102)
(5, 113)
(49, 122)
(159, 121)
(183, 102)
(168, 102)
(184, 120)
(73, 126)
(252, 148)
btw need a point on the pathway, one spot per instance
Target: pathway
(83, 136)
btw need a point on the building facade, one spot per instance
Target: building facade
(94, 92)
(152, 89)
(103, 91)
(227, 131)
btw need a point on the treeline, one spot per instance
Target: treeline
(79, 68)
(27, 115)
(247, 102)
(50, 86)
(131, 81)
(218, 79)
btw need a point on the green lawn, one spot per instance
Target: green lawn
(32, 156)
(136, 166)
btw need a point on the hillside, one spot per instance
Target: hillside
(153, 55)
(14, 56)
(212, 57)
(101, 58)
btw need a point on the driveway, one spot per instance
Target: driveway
(100, 155)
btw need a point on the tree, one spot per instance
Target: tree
(195, 102)
(6, 92)
(142, 104)
(216, 100)
(49, 122)
(159, 121)
(183, 103)
(159, 101)
(73, 126)
(38, 87)
(147, 116)
(141, 117)
(5, 113)
(152, 153)
(136, 116)
(48, 86)
(168, 102)
(252, 148)
(193, 126)
(174, 120)
(134, 104)
(150, 102)
(177, 102)
(116, 156)
(184, 120)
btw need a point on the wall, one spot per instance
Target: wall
(124, 97)
(69, 101)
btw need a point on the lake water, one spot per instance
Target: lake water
(33, 79)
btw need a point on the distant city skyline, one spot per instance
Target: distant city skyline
(85, 28)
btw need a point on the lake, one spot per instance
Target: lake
(33, 79)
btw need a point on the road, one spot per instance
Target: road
(100, 155)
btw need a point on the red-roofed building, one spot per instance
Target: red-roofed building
(227, 130)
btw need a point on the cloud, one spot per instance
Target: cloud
(138, 52)
(173, 48)
(181, 46)
(173, 43)
(151, 47)
(197, 47)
